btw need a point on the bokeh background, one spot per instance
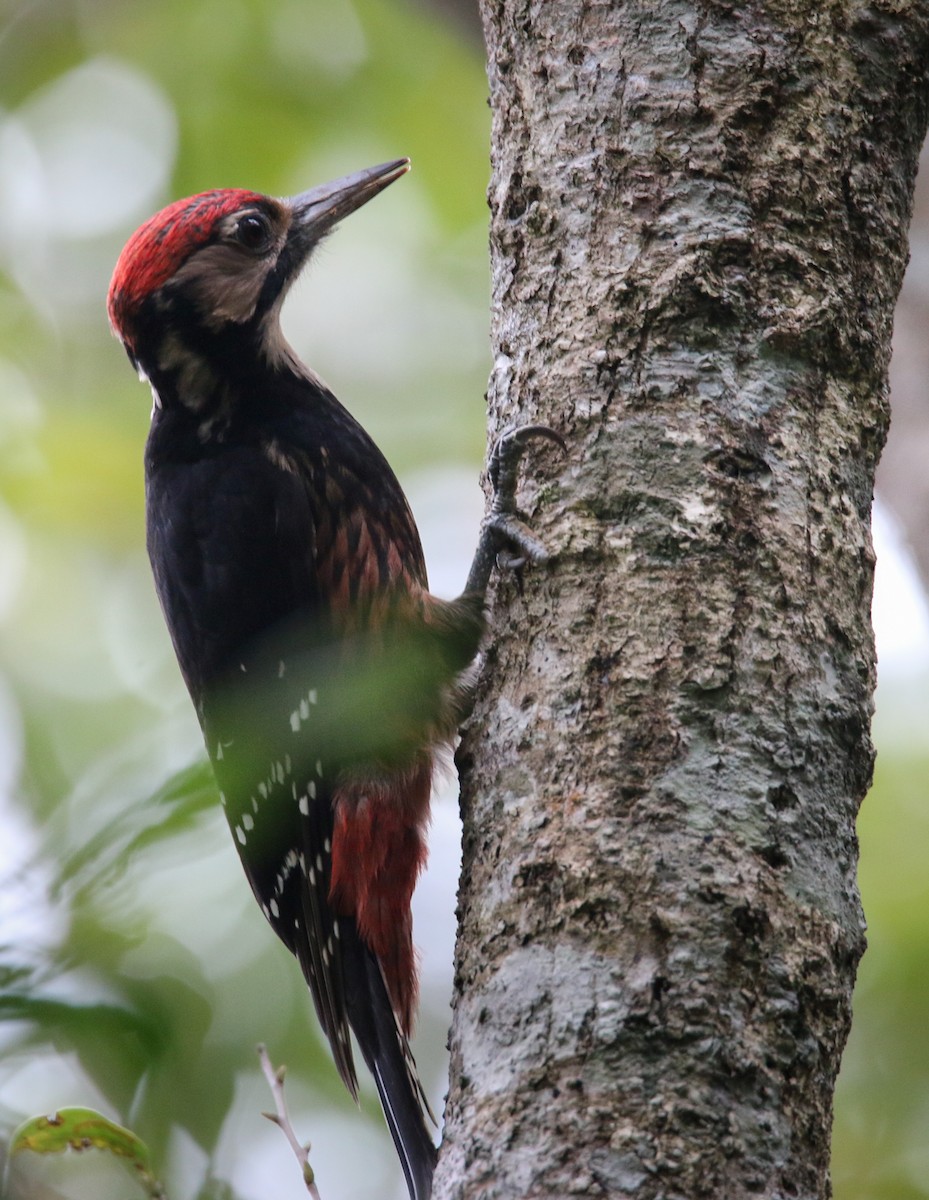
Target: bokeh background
(136, 973)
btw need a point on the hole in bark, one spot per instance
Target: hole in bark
(782, 796)
(774, 856)
(739, 463)
(537, 874)
(750, 922)
(464, 759)
(520, 198)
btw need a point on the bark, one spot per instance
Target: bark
(699, 218)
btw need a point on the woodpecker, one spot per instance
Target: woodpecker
(289, 568)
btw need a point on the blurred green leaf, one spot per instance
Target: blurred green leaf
(880, 1147)
(172, 810)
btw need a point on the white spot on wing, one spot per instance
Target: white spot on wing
(240, 834)
(305, 805)
(275, 911)
(248, 822)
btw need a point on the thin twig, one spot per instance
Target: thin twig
(280, 1118)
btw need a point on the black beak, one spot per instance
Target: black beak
(315, 212)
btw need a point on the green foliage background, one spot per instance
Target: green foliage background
(136, 975)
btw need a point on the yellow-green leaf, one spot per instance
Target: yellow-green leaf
(86, 1129)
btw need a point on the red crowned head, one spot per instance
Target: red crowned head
(165, 242)
(224, 258)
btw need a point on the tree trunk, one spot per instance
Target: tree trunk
(699, 218)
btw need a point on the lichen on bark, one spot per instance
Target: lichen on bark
(699, 218)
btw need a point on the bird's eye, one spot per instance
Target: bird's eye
(252, 231)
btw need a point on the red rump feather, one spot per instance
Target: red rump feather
(160, 246)
(378, 850)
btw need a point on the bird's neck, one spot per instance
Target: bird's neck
(212, 379)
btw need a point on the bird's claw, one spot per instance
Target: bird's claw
(513, 535)
(506, 540)
(508, 452)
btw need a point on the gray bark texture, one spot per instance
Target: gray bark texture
(699, 216)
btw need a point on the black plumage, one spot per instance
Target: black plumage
(292, 580)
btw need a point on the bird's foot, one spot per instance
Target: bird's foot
(505, 540)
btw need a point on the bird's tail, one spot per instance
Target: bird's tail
(387, 1053)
